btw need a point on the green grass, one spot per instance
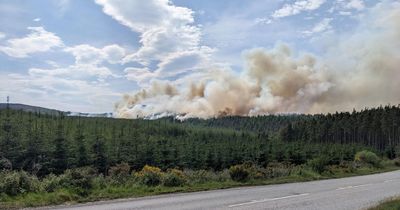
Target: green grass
(391, 204)
(69, 196)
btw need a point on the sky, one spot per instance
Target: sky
(86, 56)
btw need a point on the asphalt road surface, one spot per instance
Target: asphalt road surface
(346, 193)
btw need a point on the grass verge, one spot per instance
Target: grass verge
(107, 192)
(390, 204)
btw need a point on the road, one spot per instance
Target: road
(345, 193)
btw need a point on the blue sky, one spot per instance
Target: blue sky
(85, 55)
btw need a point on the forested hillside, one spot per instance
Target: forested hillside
(29, 108)
(43, 144)
(378, 128)
(261, 124)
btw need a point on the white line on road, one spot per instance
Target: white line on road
(350, 187)
(266, 200)
(390, 180)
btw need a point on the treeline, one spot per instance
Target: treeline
(44, 144)
(261, 124)
(378, 128)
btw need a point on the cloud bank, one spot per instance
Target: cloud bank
(297, 7)
(39, 40)
(170, 42)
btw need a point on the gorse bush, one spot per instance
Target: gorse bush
(239, 173)
(149, 175)
(120, 172)
(342, 168)
(367, 157)
(174, 177)
(248, 170)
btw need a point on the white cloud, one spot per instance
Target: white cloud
(52, 63)
(174, 64)
(159, 42)
(86, 54)
(88, 62)
(322, 26)
(142, 16)
(2, 35)
(184, 61)
(165, 31)
(297, 7)
(139, 75)
(263, 21)
(345, 7)
(36, 19)
(114, 53)
(352, 4)
(77, 71)
(345, 13)
(39, 40)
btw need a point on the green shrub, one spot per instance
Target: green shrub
(173, 178)
(277, 169)
(253, 170)
(200, 176)
(342, 168)
(304, 172)
(17, 182)
(367, 157)
(397, 151)
(5, 164)
(120, 172)
(53, 182)
(149, 175)
(10, 183)
(99, 182)
(222, 176)
(29, 183)
(318, 164)
(396, 162)
(79, 179)
(239, 173)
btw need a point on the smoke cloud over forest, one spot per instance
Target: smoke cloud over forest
(358, 69)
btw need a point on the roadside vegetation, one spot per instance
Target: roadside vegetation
(52, 159)
(21, 189)
(390, 204)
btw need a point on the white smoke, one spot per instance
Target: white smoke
(359, 70)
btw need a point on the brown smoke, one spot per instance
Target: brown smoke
(359, 70)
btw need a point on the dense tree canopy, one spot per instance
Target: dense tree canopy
(43, 144)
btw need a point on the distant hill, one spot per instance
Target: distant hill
(29, 108)
(42, 110)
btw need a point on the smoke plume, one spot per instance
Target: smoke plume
(358, 70)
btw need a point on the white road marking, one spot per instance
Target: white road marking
(351, 187)
(390, 180)
(266, 200)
